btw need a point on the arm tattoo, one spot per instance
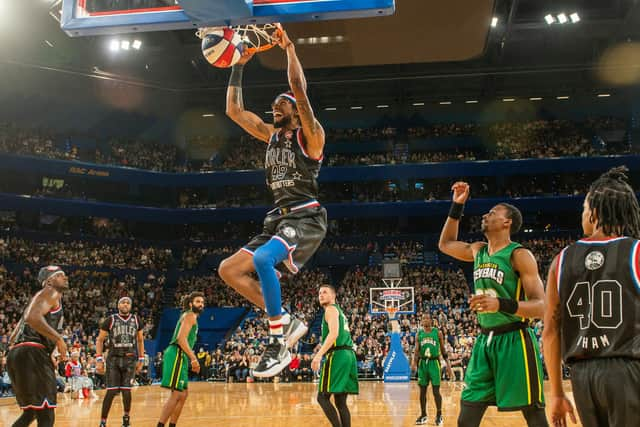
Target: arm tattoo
(236, 96)
(236, 76)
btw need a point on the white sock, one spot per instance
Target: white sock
(286, 318)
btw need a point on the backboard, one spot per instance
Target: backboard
(94, 17)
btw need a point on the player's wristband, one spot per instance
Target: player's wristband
(508, 305)
(99, 358)
(141, 359)
(456, 210)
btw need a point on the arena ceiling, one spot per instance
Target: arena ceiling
(429, 48)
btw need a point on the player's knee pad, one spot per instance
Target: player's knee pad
(535, 417)
(269, 255)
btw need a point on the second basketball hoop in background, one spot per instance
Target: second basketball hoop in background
(222, 47)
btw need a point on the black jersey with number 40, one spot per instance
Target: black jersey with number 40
(291, 173)
(123, 332)
(599, 288)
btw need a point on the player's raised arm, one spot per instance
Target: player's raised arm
(313, 131)
(449, 243)
(247, 120)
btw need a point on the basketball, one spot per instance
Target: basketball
(222, 47)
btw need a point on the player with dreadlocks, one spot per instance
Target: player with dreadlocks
(591, 318)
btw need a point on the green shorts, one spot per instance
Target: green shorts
(175, 368)
(429, 371)
(506, 372)
(339, 373)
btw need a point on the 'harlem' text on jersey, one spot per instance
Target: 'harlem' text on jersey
(599, 289)
(291, 173)
(122, 334)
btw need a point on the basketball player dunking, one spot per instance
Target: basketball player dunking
(124, 331)
(339, 373)
(505, 367)
(591, 319)
(294, 229)
(426, 360)
(31, 346)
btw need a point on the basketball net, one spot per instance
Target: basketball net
(257, 38)
(393, 321)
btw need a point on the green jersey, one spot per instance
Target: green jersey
(494, 275)
(344, 335)
(429, 344)
(193, 333)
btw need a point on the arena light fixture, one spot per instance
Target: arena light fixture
(562, 18)
(418, 104)
(508, 99)
(562, 98)
(494, 22)
(575, 18)
(208, 115)
(137, 44)
(357, 107)
(445, 103)
(550, 19)
(48, 43)
(330, 109)
(604, 95)
(535, 98)
(382, 106)
(471, 101)
(125, 44)
(114, 45)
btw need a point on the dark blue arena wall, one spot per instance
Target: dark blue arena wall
(213, 325)
(63, 168)
(435, 208)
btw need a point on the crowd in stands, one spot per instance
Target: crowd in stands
(84, 254)
(503, 140)
(91, 297)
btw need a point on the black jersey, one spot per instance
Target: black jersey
(123, 332)
(291, 174)
(599, 288)
(26, 333)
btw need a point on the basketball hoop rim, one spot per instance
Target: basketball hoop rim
(262, 40)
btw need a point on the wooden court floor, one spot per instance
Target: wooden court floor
(257, 405)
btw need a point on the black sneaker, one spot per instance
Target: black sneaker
(421, 420)
(275, 358)
(125, 421)
(439, 420)
(103, 423)
(293, 331)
